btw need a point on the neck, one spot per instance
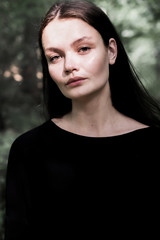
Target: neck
(96, 117)
(92, 116)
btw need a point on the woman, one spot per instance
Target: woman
(96, 158)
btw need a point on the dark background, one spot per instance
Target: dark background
(138, 23)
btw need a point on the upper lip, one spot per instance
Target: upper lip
(74, 79)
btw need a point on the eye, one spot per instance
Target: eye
(54, 59)
(84, 49)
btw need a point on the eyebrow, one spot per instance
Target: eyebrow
(80, 40)
(76, 42)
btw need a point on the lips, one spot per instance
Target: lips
(74, 80)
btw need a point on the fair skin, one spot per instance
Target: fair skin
(78, 62)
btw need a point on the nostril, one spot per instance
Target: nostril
(70, 69)
(67, 71)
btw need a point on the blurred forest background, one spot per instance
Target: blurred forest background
(138, 23)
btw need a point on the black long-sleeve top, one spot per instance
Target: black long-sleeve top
(61, 185)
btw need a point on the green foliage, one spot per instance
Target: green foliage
(138, 24)
(20, 91)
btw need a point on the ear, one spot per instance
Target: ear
(112, 51)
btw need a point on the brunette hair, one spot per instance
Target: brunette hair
(127, 91)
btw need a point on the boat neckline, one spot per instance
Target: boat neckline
(135, 131)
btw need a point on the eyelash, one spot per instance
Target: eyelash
(84, 49)
(54, 58)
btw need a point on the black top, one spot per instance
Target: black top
(61, 185)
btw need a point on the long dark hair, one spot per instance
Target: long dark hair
(127, 91)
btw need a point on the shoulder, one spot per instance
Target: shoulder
(154, 133)
(34, 137)
(149, 133)
(146, 138)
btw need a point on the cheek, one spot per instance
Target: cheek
(97, 66)
(55, 73)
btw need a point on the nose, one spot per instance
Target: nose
(70, 63)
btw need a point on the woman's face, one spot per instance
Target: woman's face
(78, 60)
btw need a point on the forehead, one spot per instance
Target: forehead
(60, 31)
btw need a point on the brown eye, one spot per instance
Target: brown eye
(84, 49)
